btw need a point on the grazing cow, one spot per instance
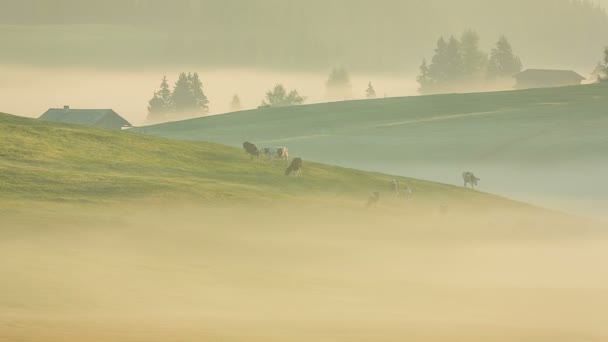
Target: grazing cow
(395, 186)
(276, 152)
(295, 167)
(407, 193)
(373, 200)
(469, 178)
(251, 149)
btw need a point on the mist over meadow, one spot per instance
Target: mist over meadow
(383, 36)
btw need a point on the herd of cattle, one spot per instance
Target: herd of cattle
(275, 152)
(295, 168)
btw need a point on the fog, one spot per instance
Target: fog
(387, 35)
(300, 273)
(30, 91)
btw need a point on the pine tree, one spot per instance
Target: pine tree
(438, 70)
(160, 106)
(201, 101)
(165, 95)
(424, 79)
(338, 84)
(503, 63)
(603, 68)
(370, 92)
(454, 68)
(156, 109)
(235, 104)
(183, 98)
(474, 61)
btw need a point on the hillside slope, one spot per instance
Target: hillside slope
(524, 144)
(44, 161)
(149, 256)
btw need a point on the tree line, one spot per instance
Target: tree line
(460, 64)
(187, 99)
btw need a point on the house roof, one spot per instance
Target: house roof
(105, 118)
(549, 75)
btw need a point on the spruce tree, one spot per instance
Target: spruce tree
(183, 98)
(454, 68)
(338, 84)
(165, 96)
(438, 70)
(603, 68)
(235, 104)
(370, 92)
(201, 101)
(474, 61)
(424, 79)
(156, 109)
(503, 62)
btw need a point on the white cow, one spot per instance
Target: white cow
(276, 152)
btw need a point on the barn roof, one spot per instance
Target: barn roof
(547, 75)
(104, 118)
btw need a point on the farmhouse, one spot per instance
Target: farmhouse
(102, 118)
(542, 78)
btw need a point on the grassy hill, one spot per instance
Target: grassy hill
(41, 161)
(116, 236)
(524, 144)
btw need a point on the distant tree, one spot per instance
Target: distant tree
(156, 109)
(278, 97)
(474, 61)
(454, 67)
(424, 79)
(196, 87)
(338, 84)
(188, 97)
(183, 98)
(235, 104)
(503, 62)
(370, 92)
(601, 71)
(161, 105)
(165, 94)
(437, 70)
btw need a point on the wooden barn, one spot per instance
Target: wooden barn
(102, 118)
(543, 78)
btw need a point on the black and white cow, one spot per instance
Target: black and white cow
(276, 152)
(469, 178)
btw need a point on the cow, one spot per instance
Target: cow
(407, 193)
(276, 152)
(469, 178)
(395, 186)
(295, 167)
(373, 199)
(251, 149)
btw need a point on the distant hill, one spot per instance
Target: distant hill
(547, 146)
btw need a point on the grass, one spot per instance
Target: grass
(523, 144)
(55, 163)
(530, 126)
